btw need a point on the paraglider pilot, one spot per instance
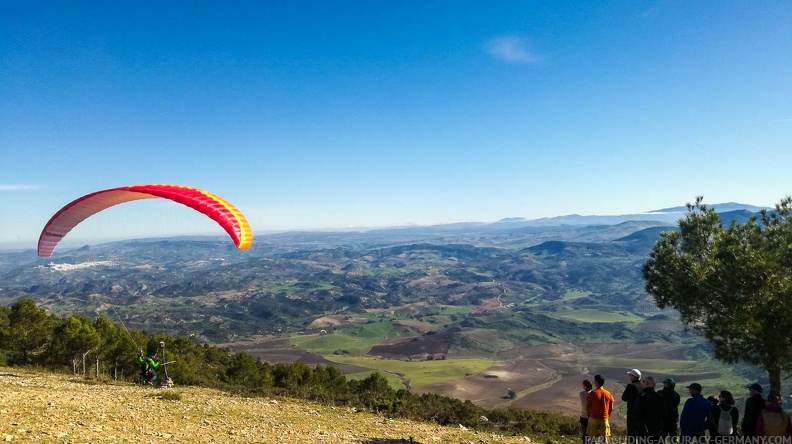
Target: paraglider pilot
(148, 368)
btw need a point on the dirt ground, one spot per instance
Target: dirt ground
(42, 407)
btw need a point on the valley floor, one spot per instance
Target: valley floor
(44, 407)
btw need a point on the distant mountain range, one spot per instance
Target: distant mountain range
(720, 208)
(511, 225)
(660, 217)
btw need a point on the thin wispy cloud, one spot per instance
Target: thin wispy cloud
(512, 49)
(17, 187)
(779, 120)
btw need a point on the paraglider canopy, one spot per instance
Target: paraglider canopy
(217, 209)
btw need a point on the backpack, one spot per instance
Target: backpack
(775, 423)
(725, 422)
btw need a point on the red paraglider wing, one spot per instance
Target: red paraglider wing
(222, 212)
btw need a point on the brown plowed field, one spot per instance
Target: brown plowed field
(406, 347)
(487, 305)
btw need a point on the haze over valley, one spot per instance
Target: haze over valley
(468, 310)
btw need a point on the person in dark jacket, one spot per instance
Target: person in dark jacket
(651, 412)
(631, 394)
(711, 426)
(693, 420)
(671, 398)
(753, 407)
(587, 387)
(725, 407)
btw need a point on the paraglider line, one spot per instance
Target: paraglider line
(124, 325)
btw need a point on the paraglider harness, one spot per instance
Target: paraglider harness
(149, 367)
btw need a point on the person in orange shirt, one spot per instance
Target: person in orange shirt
(599, 404)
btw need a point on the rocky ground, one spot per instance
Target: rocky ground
(44, 407)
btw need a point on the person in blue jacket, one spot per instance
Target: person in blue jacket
(693, 420)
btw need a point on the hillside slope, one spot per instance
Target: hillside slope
(43, 407)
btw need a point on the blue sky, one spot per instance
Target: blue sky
(354, 114)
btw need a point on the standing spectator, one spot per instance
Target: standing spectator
(671, 398)
(693, 420)
(773, 421)
(584, 409)
(599, 406)
(711, 426)
(631, 394)
(724, 417)
(651, 412)
(753, 408)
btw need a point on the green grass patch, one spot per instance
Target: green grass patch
(589, 315)
(488, 337)
(454, 310)
(328, 344)
(728, 378)
(574, 294)
(421, 373)
(355, 340)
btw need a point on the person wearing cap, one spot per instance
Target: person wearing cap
(773, 421)
(631, 394)
(599, 406)
(671, 418)
(753, 408)
(695, 412)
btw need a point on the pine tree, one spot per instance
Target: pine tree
(732, 284)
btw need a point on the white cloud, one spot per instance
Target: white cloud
(512, 49)
(17, 187)
(779, 120)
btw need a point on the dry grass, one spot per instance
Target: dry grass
(43, 407)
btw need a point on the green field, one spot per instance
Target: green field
(420, 373)
(574, 294)
(588, 315)
(729, 381)
(327, 344)
(356, 339)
